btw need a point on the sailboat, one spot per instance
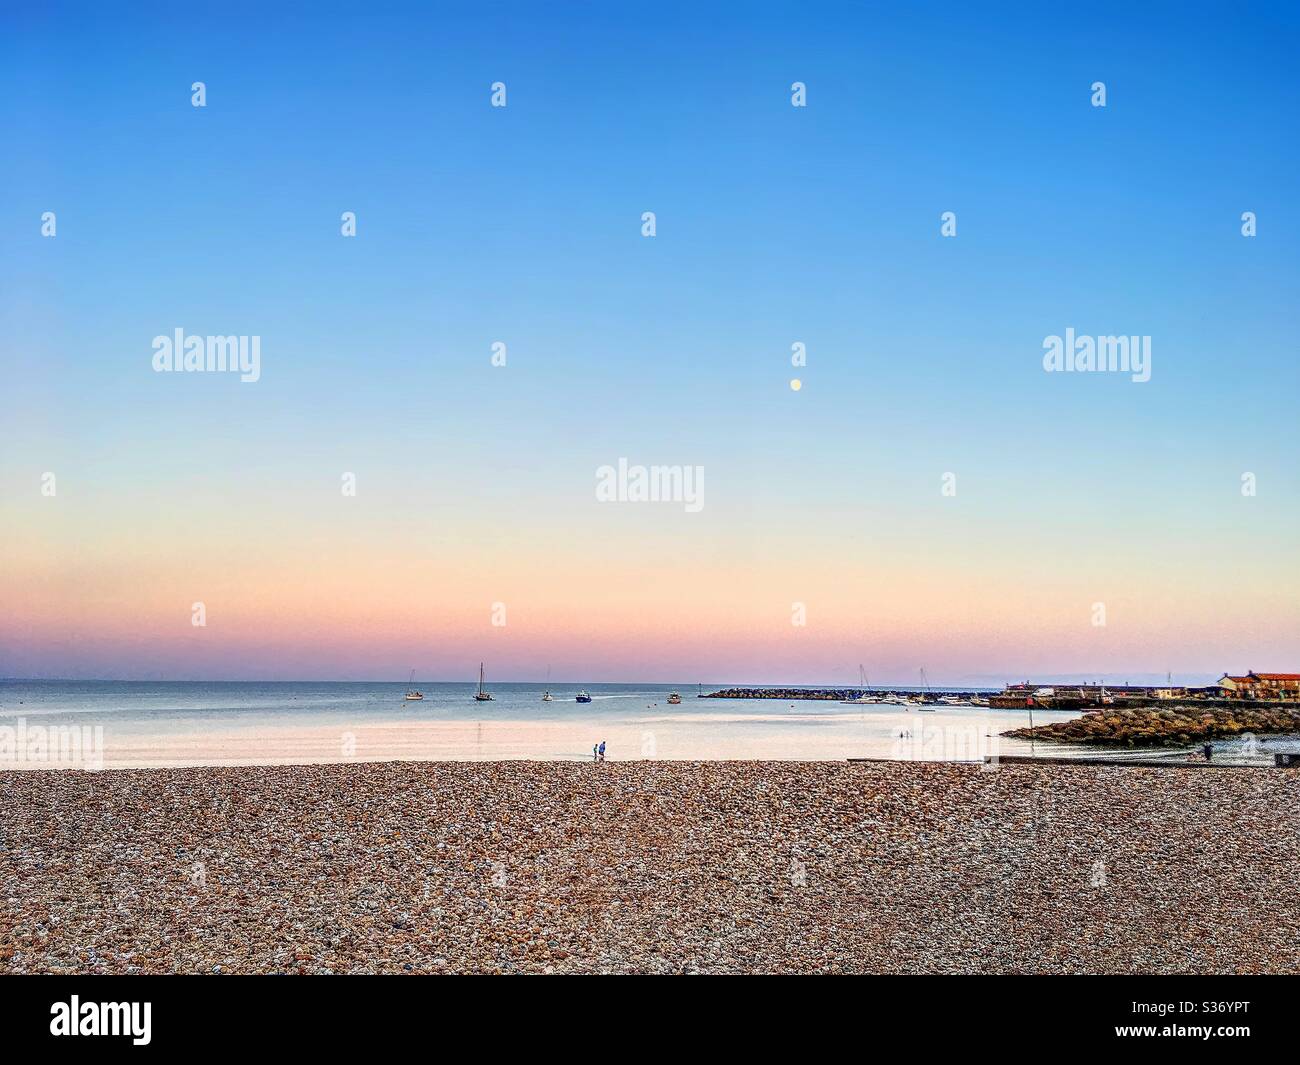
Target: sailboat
(547, 697)
(921, 702)
(866, 697)
(412, 693)
(481, 696)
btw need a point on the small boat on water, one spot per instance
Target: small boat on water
(922, 701)
(865, 697)
(547, 697)
(674, 699)
(582, 697)
(481, 696)
(413, 694)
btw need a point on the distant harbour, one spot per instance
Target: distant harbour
(140, 724)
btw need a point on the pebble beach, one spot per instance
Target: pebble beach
(650, 867)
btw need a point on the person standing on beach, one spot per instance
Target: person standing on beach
(594, 756)
(602, 750)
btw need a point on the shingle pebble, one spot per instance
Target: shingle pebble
(661, 867)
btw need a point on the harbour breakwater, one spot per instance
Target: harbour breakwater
(1170, 726)
(836, 694)
(1114, 702)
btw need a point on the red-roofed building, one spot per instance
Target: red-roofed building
(1262, 685)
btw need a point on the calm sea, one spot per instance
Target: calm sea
(127, 723)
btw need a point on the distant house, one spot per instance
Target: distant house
(1278, 685)
(1262, 685)
(1235, 685)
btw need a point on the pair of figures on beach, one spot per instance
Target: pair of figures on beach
(598, 752)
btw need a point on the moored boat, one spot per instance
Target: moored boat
(481, 696)
(864, 696)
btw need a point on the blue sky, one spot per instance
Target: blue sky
(775, 224)
(819, 224)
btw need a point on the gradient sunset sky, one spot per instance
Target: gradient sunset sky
(776, 225)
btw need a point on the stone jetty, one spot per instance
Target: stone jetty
(1168, 726)
(831, 694)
